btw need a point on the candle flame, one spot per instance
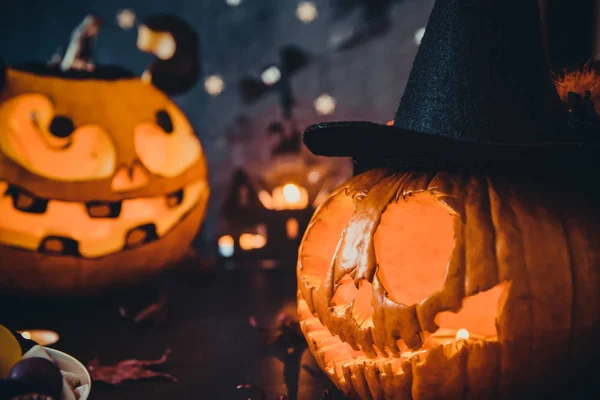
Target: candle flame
(462, 334)
(26, 335)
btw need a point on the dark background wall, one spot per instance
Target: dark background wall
(367, 81)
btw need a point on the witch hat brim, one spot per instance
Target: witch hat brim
(480, 94)
(375, 144)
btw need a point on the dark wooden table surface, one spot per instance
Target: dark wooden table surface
(214, 347)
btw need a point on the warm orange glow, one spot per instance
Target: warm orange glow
(411, 273)
(292, 228)
(87, 153)
(478, 313)
(167, 155)
(127, 179)
(390, 123)
(265, 199)
(251, 241)
(43, 337)
(226, 240)
(290, 197)
(462, 334)
(291, 193)
(96, 236)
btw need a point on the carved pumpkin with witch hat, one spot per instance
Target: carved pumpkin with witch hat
(103, 180)
(464, 261)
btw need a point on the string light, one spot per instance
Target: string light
(419, 36)
(226, 246)
(314, 176)
(126, 19)
(325, 104)
(214, 85)
(271, 75)
(307, 12)
(291, 193)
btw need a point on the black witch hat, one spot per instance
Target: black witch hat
(480, 95)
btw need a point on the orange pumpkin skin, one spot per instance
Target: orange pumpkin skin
(390, 257)
(110, 204)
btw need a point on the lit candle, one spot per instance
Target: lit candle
(43, 337)
(443, 337)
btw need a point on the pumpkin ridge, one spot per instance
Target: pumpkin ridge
(349, 266)
(571, 266)
(527, 215)
(505, 217)
(363, 183)
(481, 269)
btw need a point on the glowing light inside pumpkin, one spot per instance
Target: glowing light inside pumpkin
(419, 36)
(462, 334)
(292, 228)
(43, 337)
(325, 104)
(251, 241)
(126, 19)
(307, 12)
(271, 75)
(214, 85)
(226, 246)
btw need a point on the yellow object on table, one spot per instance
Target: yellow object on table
(10, 351)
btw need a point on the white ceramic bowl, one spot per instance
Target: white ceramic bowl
(70, 364)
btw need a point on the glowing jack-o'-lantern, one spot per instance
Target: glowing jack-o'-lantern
(104, 181)
(433, 285)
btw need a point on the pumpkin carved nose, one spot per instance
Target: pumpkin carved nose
(129, 178)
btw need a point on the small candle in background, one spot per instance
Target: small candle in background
(43, 337)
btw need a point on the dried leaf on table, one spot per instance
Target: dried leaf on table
(155, 312)
(284, 331)
(129, 370)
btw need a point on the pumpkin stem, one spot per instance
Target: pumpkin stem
(79, 54)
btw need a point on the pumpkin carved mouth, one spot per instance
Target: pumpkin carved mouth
(363, 326)
(95, 228)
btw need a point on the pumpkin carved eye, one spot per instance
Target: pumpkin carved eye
(61, 126)
(49, 145)
(164, 121)
(169, 154)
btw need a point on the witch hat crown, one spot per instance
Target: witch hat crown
(480, 92)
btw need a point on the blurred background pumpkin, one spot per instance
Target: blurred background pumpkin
(105, 181)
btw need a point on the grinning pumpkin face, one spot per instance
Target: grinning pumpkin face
(442, 285)
(104, 182)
